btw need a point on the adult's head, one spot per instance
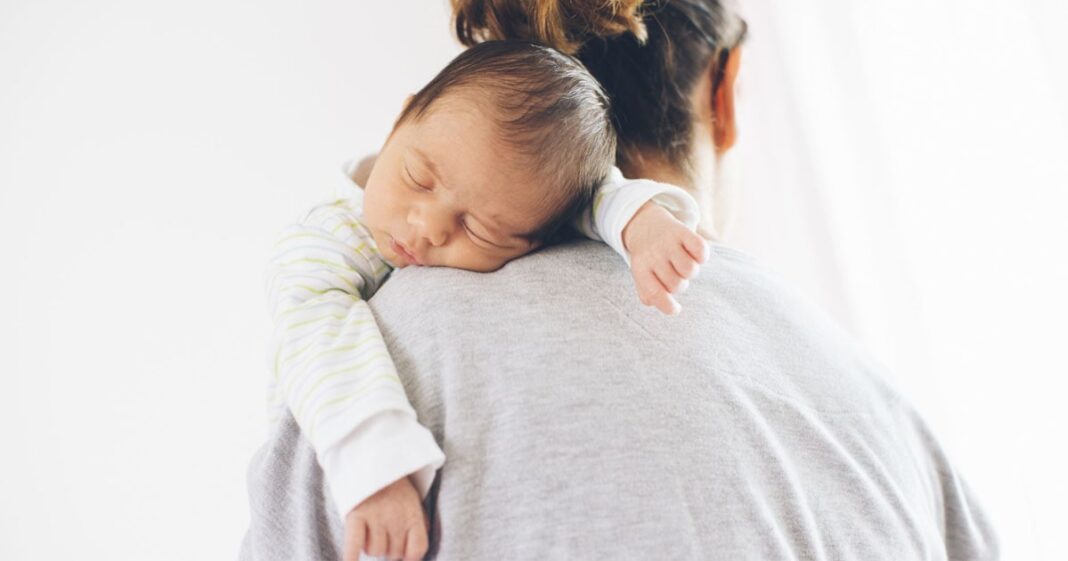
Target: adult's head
(488, 161)
(669, 67)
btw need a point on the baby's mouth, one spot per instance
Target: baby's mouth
(404, 252)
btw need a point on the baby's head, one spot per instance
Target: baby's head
(491, 159)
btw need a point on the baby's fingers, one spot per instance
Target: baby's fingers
(652, 293)
(670, 278)
(398, 540)
(377, 541)
(666, 303)
(696, 246)
(417, 544)
(355, 531)
(684, 264)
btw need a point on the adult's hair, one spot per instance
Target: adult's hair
(648, 55)
(546, 108)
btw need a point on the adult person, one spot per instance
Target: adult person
(579, 425)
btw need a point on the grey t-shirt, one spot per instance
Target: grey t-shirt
(578, 424)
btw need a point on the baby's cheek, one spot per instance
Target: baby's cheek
(472, 257)
(497, 262)
(483, 263)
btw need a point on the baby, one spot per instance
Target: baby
(503, 150)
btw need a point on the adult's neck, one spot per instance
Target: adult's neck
(697, 177)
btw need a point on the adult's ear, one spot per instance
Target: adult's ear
(724, 124)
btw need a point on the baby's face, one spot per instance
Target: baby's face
(444, 193)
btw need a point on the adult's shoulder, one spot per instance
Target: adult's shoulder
(566, 303)
(580, 275)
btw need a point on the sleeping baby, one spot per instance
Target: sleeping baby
(504, 151)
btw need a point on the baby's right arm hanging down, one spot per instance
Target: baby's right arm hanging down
(331, 366)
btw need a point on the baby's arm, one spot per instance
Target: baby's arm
(652, 226)
(333, 370)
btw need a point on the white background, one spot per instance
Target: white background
(905, 163)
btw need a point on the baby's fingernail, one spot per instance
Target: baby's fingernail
(675, 308)
(682, 286)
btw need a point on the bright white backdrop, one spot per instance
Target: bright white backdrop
(149, 153)
(905, 164)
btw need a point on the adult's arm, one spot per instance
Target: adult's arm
(579, 424)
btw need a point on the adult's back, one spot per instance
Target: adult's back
(748, 427)
(578, 424)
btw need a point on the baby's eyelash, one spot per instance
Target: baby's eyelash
(478, 237)
(412, 178)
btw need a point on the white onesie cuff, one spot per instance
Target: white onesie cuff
(383, 449)
(625, 196)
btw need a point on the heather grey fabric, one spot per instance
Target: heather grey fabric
(579, 425)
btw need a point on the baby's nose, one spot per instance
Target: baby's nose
(436, 236)
(436, 227)
(431, 224)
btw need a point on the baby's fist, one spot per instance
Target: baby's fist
(388, 524)
(664, 255)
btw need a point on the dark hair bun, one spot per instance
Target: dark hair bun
(562, 24)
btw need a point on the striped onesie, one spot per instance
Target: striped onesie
(329, 364)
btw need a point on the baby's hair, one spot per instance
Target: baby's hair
(546, 107)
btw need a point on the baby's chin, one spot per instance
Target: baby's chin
(394, 261)
(391, 257)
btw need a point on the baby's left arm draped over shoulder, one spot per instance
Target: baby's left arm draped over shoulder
(652, 226)
(331, 366)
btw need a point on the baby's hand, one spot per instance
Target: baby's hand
(664, 254)
(389, 524)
